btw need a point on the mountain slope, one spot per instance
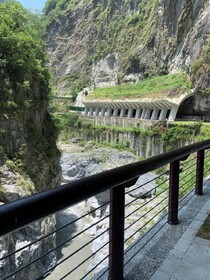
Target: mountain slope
(110, 42)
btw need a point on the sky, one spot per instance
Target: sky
(33, 4)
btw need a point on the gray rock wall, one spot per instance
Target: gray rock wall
(16, 240)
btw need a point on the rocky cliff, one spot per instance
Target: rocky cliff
(29, 163)
(27, 133)
(29, 158)
(110, 42)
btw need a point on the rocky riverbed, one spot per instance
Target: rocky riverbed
(79, 162)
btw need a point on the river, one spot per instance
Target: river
(80, 162)
(63, 218)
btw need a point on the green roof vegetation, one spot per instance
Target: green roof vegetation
(168, 86)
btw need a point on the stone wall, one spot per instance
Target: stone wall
(145, 140)
(123, 122)
(142, 146)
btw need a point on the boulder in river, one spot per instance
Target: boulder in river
(144, 187)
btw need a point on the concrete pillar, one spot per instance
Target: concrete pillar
(130, 112)
(148, 112)
(91, 111)
(115, 112)
(106, 112)
(97, 111)
(172, 115)
(122, 112)
(86, 111)
(163, 114)
(103, 110)
(155, 114)
(138, 113)
(109, 112)
(143, 113)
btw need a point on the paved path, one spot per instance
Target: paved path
(190, 257)
(175, 252)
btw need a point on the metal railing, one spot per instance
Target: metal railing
(123, 219)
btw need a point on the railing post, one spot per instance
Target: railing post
(116, 233)
(173, 193)
(199, 172)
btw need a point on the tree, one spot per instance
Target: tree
(22, 52)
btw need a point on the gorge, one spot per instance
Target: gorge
(77, 163)
(90, 44)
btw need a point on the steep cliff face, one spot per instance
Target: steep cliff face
(29, 158)
(28, 142)
(28, 135)
(15, 241)
(120, 41)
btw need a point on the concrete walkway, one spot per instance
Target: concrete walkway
(190, 257)
(175, 252)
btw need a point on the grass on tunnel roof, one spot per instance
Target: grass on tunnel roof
(169, 85)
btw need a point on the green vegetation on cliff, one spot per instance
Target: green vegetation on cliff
(102, 42)
(22, 57)
(27, 134)
(117, 25)
(201, 70)
(90, 30)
